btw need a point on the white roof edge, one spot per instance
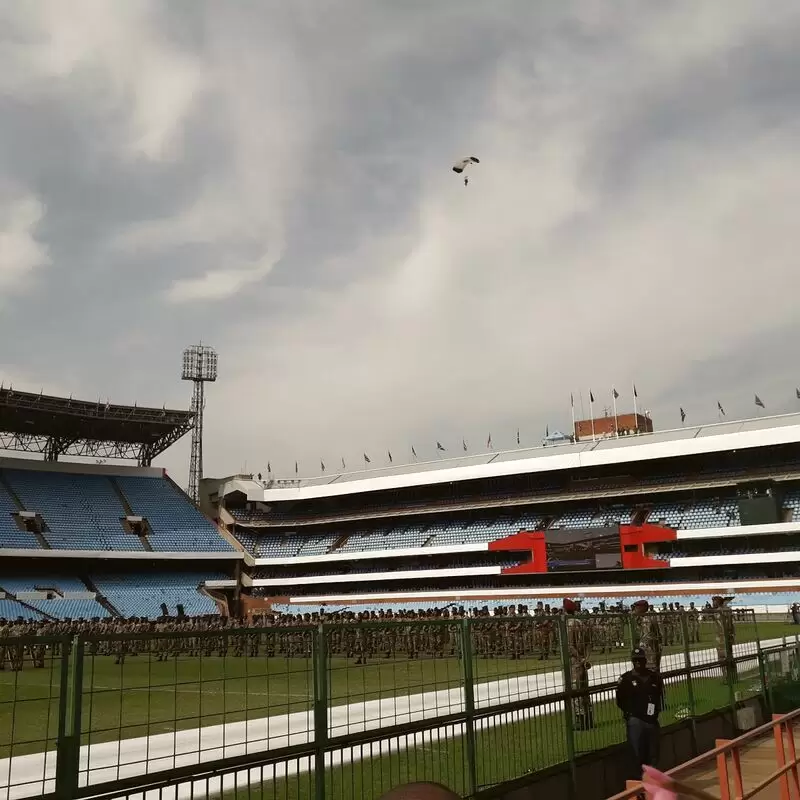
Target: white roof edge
(369, 577)
(127, 555)
(714, 438)
(736, 559)
(739, 530)
(73, 467)
(577, 592)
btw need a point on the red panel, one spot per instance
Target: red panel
(533, 542)
(530, 541)
(639, 536)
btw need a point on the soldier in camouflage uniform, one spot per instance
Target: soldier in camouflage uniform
(579, 643)
(693, 623)
(724, 634)
(647, 633)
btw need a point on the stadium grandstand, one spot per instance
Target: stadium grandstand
(99, 541)
(228, 640)
(676, 516)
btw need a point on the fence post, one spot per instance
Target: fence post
(762, 669)
(469, 704)
(687, 661)
(569, 715)
(319, 656)
(69, 723)
(730, 667)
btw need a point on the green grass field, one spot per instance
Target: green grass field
(146, 697)
(503, 751)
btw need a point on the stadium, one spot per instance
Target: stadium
(330, 637)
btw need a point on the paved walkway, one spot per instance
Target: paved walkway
(758, 763)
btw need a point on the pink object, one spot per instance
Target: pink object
(657, 785)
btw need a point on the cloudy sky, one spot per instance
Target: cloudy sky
(274, 179)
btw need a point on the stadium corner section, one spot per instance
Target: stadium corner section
(97, 542)
(110, 546)
(674, 516)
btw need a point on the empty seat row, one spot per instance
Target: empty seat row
(141, 594)
(85, 512)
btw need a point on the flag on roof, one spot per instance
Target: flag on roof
(390, 456)
(322, 465)
(759, 402)
(614, 393)
(367, 459)
(439, 446)
(464, 444)
(591, 396)
(489, 442)
(683, 415)
(517, 435)
(413, 451)
(721, 409)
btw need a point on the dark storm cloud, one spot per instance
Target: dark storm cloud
(276, 181)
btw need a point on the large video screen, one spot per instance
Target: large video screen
(572, 549)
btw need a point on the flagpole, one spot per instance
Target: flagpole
(635, 408)
(572, 404)
(591, 411)
(614, 403)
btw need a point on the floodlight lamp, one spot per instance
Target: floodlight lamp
(199, 364)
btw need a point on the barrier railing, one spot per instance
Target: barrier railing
(350, 709)
(726, 759)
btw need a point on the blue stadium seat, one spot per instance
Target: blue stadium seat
(11, 536)
(141, 594)
(11, 609)
(81, 512)
(175, 523)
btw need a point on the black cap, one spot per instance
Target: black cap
(638, 654)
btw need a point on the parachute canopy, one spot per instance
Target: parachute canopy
(460, 166)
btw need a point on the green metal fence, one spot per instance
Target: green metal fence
(347, 710)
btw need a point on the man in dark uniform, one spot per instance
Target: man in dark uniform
(640, 697)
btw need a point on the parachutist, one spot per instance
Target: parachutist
(460, 166)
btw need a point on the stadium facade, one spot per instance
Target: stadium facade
(673, 515)
(677, 514)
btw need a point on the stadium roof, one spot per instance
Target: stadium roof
(56, 426)
(717, 437)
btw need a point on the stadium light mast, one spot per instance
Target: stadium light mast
(199, 367)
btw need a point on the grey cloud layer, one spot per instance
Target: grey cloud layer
(275, 181)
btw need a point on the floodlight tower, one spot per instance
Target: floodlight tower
(199, 367)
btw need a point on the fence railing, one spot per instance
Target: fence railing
(348, 710)
(730, 768)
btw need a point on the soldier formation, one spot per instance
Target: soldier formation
(510, 632)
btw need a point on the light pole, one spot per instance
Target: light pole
(200, 367)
